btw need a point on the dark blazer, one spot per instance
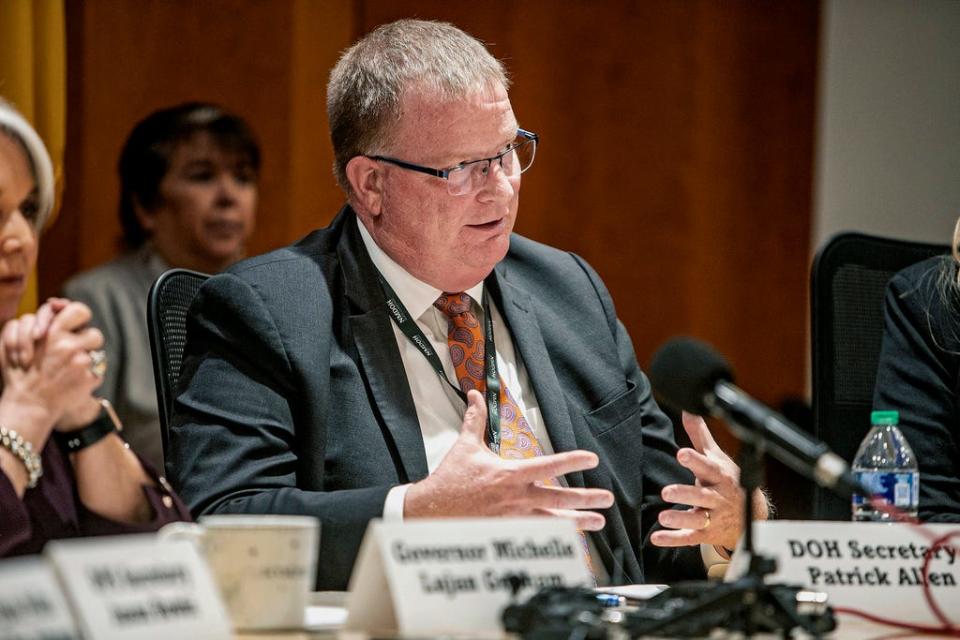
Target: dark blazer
(919, 376)
(293, 397)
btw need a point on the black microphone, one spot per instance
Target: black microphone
(690, 375)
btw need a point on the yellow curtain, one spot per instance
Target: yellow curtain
(33, 78)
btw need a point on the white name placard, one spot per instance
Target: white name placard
(450, 576)
(872, 567)
(139, 587)
(32, 604)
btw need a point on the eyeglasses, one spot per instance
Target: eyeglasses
(469, 176)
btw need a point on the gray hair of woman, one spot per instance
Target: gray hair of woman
(16, 127)
(368, 82)
(955, 248)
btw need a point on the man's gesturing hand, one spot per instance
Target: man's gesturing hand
(716, 497)
(473, 481)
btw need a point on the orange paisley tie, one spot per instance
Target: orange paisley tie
(465, 340)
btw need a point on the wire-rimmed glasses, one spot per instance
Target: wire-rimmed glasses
(469, 176)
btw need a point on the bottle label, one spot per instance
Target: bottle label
(899, 489)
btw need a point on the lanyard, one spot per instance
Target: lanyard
(409, 327)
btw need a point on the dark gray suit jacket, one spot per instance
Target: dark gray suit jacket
(293, 397)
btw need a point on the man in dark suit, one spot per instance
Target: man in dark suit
(374, 368)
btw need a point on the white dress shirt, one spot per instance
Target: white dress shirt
(439, 408)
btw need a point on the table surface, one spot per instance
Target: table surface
(849, 628)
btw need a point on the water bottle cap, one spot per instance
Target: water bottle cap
(885, 417)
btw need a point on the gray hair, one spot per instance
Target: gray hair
(369, 80)
(955, 248)
(16, 127)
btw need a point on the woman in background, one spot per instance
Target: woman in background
(64, 469)
(919, 375)
(188, 197)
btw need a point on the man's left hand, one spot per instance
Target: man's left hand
(716, 516)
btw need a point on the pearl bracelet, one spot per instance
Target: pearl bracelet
(15, 444)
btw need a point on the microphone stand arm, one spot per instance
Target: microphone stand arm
(751, 479)
(752, 588)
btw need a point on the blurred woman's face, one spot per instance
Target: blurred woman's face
(207, 206)
(18, 235)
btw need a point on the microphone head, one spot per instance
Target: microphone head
(685, 371)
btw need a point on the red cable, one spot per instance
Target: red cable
(936, 542)
(921, 628)
(927, 592)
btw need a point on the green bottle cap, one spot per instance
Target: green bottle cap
(885, 417)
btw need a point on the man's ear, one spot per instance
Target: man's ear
(366, 178)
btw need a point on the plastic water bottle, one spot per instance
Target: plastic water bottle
(885, 463)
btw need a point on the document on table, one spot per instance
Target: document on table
(635, 591)
(327, 610)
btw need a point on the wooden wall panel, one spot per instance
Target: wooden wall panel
(321, 30)
(676, 158)
(267, 61)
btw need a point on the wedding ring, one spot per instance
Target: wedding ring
(98, 362)
(706, 514)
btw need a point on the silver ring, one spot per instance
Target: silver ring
(98, 362)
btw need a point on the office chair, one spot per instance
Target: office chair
(847, 285)
(167, 305)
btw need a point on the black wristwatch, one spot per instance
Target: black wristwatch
(105, 424)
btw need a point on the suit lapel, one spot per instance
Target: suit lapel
(520, 314)
(377, 346)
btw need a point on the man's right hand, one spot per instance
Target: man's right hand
(473, 481)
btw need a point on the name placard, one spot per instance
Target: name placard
(32, 604)
(450, 576)
(139, 586)
(869, 566)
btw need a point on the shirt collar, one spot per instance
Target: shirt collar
(417, 296)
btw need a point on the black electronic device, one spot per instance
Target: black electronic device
(557, 613)
(694, 609)
(687, 610)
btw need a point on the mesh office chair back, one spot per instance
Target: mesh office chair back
(848, 280)
(167, 305)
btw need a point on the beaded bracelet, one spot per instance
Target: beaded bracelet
(15, 444)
